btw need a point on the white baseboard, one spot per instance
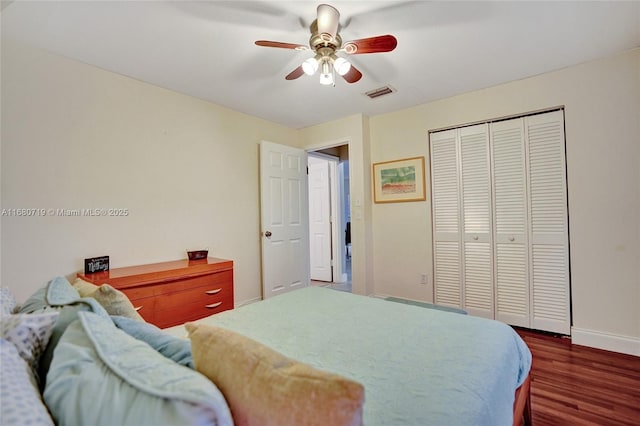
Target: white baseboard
(607, 341)
(248, 302)
(379, 296)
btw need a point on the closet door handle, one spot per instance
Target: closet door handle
(512, 238)
(213, 305)
(475, 237)
(216, 291)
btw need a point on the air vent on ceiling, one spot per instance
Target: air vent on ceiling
(381, 91)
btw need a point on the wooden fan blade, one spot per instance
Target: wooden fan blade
(352, 75)
(378, 44)
(295, 73)
(267, 43)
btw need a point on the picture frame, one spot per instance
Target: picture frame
(399, 181)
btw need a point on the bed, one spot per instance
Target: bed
(80, 354)
(418, 366)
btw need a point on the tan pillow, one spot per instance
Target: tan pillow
(115, 302)
(263, 387)
(85, 288)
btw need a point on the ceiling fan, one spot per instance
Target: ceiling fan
(325, 41)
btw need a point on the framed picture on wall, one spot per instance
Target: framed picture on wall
(399, 181)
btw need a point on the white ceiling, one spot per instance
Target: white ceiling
(205, 49)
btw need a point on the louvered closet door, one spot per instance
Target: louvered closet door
(548, 232)
(476, 215)
(511, 252)
(446, 219)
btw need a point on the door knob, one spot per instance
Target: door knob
(268, 234)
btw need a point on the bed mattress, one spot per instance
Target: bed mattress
(418, 366)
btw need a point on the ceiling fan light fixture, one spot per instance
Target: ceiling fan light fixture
(326, 79)
(326, 76)
(325, 42)
(310, 66)
(342, 66)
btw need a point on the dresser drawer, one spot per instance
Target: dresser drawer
(190, 312)
(147, 314)
(205, 296)
(179, 315)
(215, 281)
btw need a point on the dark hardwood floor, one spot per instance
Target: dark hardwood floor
(577, 385)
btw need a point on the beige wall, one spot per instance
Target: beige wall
(74, 136)
(602, 108)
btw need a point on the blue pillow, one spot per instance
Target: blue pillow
(68, 314)
(102, 376)
(58, 296)
(57, 293)
(37, 302)
(178, 350)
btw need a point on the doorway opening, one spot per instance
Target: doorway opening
(330, 218)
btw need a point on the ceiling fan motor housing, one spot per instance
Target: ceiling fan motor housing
(323, 40)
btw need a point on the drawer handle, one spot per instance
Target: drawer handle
(216, 291)
(137, 308)
(213, 305)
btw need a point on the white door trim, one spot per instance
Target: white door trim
(338, 225)
(321, 226)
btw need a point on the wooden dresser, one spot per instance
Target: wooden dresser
(171, 293)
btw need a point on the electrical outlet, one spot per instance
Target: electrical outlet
(424, 279)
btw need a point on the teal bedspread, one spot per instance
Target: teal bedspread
(418, 366)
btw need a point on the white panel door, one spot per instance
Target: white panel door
(511, 247)
(320, 220)
(549, 229)
(476, 220)
(446, 219)
(284, 218)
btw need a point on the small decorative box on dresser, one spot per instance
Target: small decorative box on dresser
(171, 293)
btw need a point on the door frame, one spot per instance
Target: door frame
(338, 251)
(340, 274)
(321, 208)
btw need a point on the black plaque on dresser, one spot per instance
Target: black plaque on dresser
(96, 264)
